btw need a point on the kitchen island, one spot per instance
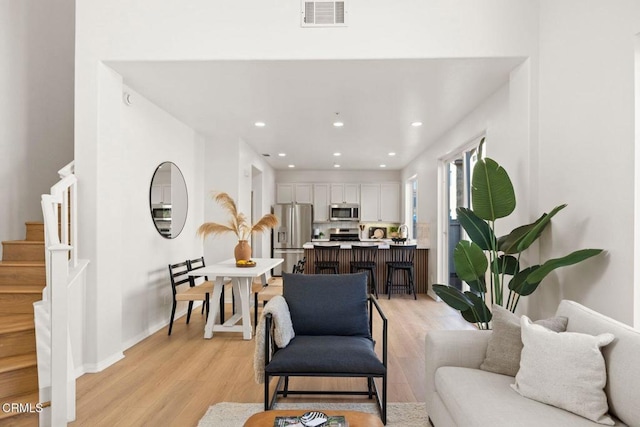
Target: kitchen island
(421, 261)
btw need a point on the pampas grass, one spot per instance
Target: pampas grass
(237, 224)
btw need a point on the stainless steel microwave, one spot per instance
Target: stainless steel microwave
(162, 212)
(344, 212)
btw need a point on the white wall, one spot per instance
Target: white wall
(494, 118)
(36, 106)
(229, 166)
(237, 30)
(151, 136)
(571, 141)
(249, 160)
(577, 54)
(587, 149)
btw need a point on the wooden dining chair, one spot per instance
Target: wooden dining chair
(184, 288)
(195, 264)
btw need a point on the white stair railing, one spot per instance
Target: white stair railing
(56, 376)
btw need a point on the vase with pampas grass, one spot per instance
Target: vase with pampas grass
(237, 225)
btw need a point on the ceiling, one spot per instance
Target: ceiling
(298, 100)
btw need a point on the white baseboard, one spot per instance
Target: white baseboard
(92, 368)
(105, 363)
(152, 329)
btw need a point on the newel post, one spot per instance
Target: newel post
(62, 391)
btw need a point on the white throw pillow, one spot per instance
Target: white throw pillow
(566, 370)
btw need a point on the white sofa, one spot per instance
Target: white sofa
(458, 393)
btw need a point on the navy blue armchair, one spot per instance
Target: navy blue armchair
(332, 316)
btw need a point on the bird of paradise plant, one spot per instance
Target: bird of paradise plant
(485, 255)
(238, 223)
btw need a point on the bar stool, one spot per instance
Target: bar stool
(402, 257)
(326, 258)
(364, 258)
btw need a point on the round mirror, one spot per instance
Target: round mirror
(168, 200)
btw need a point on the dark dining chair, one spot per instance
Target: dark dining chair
(184, 289)
(197, 263)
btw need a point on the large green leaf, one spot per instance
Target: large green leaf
(470, 261)
(479, 313)
(477, 228)
(537, 229)
(509, 243)
(506, 264)
(519, 283)
(492, 192)
(552, 264)
(453, 297)
(478, 286)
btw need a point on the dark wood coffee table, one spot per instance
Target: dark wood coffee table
(355, 418)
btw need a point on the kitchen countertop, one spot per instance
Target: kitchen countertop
(382, 243)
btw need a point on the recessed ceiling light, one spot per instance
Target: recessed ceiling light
(338, 124)
(292, 166)
(260, 124)
(416, 124)
(336, 166)
(392, 154)
(383, 165)
(282, 154)
(337, 154)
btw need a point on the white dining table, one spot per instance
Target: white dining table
(241, 279)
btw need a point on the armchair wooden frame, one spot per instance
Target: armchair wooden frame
(282, 387)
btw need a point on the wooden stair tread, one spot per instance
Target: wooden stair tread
(21, 289)
(32, 397)
(20, 361)
(18, 419)
(16, 323)
(28, 398)
(22, 263)
(24, 242)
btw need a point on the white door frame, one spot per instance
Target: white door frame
(442, 244)
(408, 204)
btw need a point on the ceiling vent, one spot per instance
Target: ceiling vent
(323, 14)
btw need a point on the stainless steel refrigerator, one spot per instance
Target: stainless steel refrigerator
(295, 228)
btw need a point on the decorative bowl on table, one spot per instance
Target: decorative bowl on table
(244, 263)
(399, 239)
(313, 419)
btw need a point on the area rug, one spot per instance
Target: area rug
(228, 414)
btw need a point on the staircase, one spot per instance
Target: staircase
(22, 279)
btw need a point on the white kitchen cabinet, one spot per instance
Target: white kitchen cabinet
(380, 202)
(320, 202)
(370, 202)
(161, 194)
(390, 202)
(345, 193)
(304, 193)
(290, 193)
(284, 193)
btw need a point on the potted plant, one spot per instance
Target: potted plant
(237, 225)
(498, 258)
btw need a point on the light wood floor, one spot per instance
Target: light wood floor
(172, 381)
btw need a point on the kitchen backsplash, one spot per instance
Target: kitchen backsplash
(326, 226)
